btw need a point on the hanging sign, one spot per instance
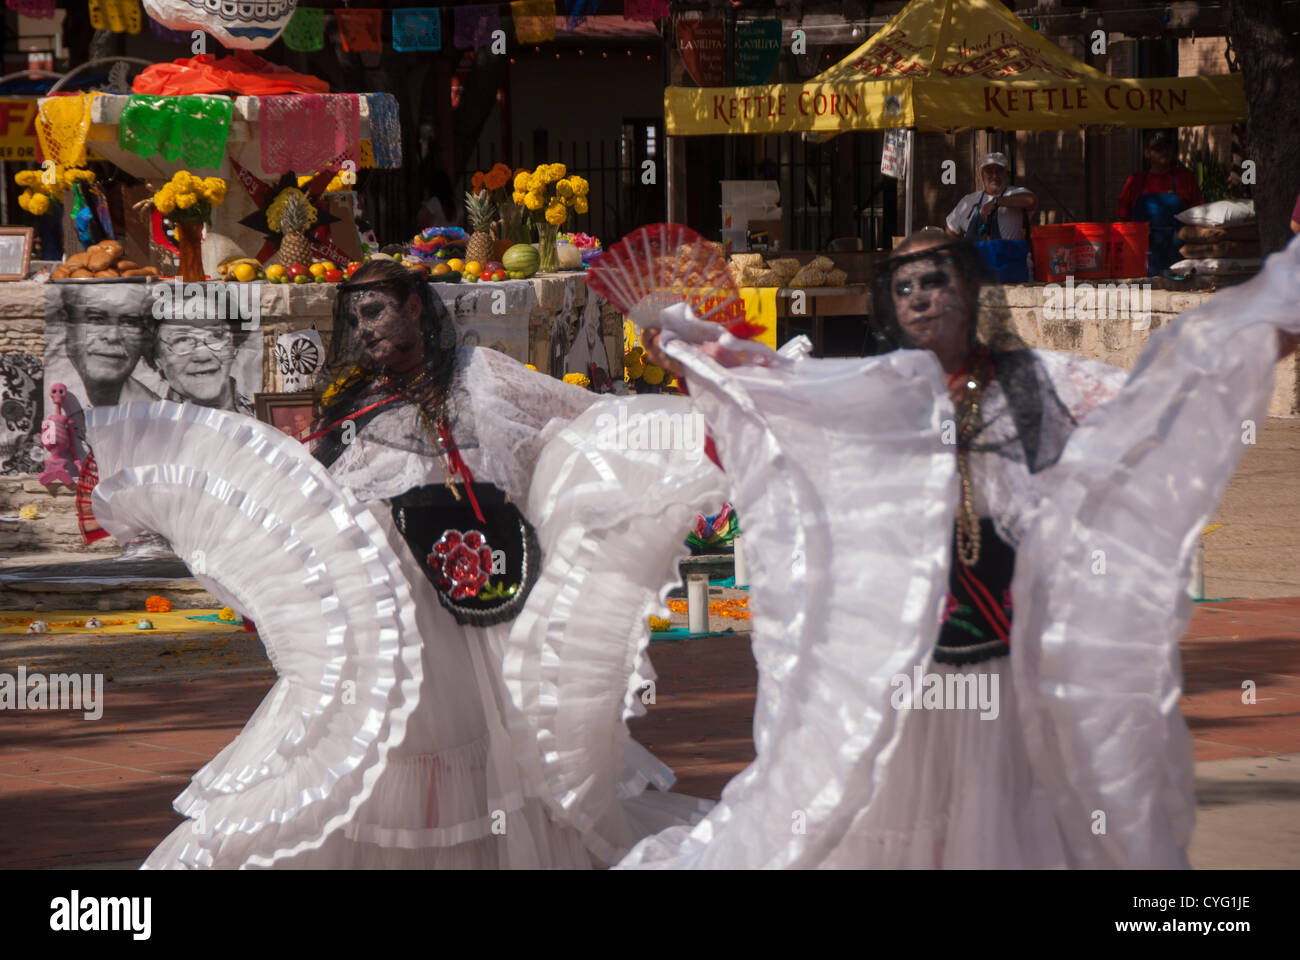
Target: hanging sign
(893, 159)
(758, 49)
(701, 44)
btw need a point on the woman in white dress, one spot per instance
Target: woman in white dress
(450, 592)
(972, 658)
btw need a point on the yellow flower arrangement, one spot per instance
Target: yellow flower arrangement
(41, 190)
(578, 380)
(226, 614)
(660, 624)
(633, 367)
(28, 511)
(653, 375)
(196, 196)
(548, 193)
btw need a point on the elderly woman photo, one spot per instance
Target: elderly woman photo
(196, 357)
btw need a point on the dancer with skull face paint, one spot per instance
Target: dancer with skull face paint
(927, 494)
(493, 521)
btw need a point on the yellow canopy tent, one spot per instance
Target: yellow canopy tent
(942, 65)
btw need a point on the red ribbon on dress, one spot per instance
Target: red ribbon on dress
(458, 466)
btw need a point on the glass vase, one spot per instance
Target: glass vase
(547, 253)
(190, 244)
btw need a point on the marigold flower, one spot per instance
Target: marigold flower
(578, 380)
(653, 375)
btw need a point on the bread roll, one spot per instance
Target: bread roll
(81, 273)
(78, 260)
(748, 260)
(107, 273)
(767, 278)
(837, 278)
(141, 272)
(124, 265)
(60, 272)
(100, 260)
(822, 264)
(111, 247)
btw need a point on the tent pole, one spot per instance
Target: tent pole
(907, 191)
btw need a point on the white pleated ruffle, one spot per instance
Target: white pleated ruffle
(839, 465)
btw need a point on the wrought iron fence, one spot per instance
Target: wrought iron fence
(618, 202)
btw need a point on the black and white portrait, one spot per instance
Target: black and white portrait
(109, 343)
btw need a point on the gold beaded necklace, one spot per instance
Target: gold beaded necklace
(976, 377)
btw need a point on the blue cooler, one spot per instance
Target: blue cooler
(1007, 260)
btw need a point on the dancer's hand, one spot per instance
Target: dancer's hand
(727, 358)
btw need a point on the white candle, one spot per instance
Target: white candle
(697, 603)
(742, 566)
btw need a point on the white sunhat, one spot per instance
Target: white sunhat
(992, 160)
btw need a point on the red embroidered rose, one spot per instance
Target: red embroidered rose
(462, 562)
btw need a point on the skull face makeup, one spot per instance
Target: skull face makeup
(236, 24)
(388, 328)
(934, 305)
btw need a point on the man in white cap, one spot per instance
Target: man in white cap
(998, 211)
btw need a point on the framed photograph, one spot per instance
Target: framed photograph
(290, 413)
(15, 252)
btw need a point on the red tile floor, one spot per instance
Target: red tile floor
(75, 793)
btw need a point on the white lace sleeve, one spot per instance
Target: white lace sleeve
(1083, 385)
(509, 407)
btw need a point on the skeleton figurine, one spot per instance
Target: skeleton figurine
(59, 438)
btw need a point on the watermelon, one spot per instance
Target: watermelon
(521, 258)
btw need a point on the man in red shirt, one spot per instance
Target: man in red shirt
(1154, 195)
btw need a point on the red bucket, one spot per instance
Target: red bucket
(1128, 249)
(1054, 251)
(1090, 250)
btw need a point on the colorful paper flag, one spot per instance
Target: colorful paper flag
(360, 31)
(416, 29)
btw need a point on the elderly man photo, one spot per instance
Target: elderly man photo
(97, 334)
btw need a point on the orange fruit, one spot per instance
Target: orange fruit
(245, 273)
(473, 268)
(440, 269)
(274, 272)
(317, 269)
(456, 263)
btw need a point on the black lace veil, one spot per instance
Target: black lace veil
(354, 390)
(1033, 425)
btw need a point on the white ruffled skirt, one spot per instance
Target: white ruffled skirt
(395, 737)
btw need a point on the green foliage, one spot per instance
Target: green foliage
(1211, 175)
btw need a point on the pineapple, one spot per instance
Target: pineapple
(294, 248)
(481, 211)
